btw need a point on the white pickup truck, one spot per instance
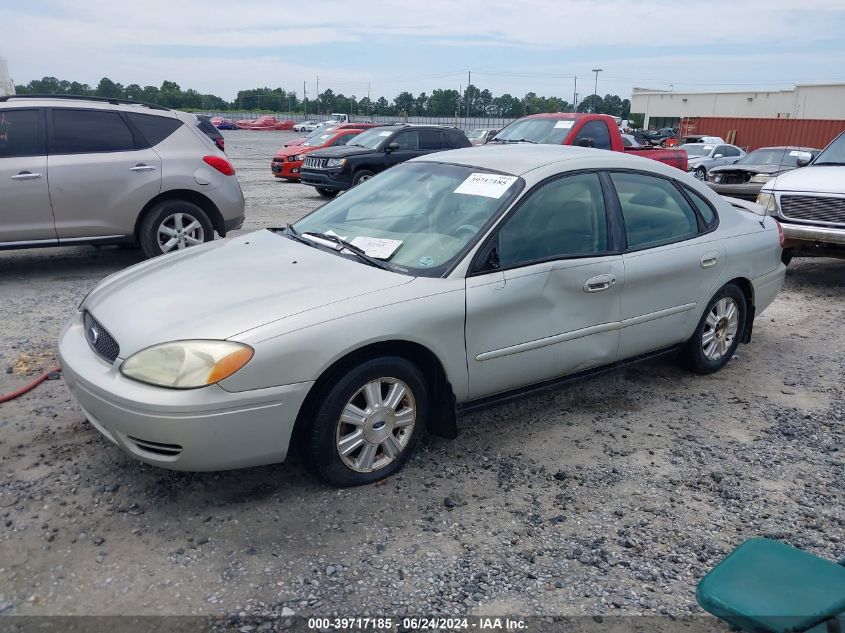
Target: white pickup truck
(810, 204)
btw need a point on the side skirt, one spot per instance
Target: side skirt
(555, 383)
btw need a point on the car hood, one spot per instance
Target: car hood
(697, 160)
(342, 151)
(810, 179)
(286, 151)
(226, 287)
(296, 141)
(753, 169)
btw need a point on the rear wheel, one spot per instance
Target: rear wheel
(326, 193)
(718, 333)
(174, 225)
(368, 422)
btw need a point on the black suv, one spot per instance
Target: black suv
(336, 169)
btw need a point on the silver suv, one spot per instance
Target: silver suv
(83, 170)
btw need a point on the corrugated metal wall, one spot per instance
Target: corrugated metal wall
(754, 133)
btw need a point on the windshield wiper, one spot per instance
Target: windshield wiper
(518, 140)
(832, 163)
(293, 234)
(359, 252)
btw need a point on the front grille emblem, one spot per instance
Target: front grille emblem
(93, 334)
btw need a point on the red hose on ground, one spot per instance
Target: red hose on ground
(50, 374)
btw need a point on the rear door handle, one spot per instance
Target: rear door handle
(708, 260)
(26, 175)
(142, 167)
(599, 283)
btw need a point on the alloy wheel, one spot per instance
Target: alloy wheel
(178, 231)
(720, 328)
(376, 425)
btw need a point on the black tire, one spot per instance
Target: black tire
(693, 355)
(326, 193)
(786, 257)
(360, 176)
(701, 174)
(320, 441)
(148, 235)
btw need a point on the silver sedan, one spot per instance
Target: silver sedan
(701, 157)
(449, 282)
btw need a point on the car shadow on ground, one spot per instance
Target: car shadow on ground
(67, 262)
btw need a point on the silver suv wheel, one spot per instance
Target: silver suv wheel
(178, 231)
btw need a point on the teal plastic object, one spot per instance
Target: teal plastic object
(767, 586)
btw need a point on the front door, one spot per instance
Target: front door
(546, 300)
(99, 181)
(25, 211)
(409, 147)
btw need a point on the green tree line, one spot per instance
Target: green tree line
(473, 101)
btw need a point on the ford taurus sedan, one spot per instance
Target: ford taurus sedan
(455, 280)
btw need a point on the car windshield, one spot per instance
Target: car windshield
(318, 140)
(834, 154)
(476, 134)
(372, 138)
(697, 149)
(551, 131)
(319, 131)
(425, 214)
(784, 157)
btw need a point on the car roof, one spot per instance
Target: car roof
(790, 147)
(15, 101)
(518, 159)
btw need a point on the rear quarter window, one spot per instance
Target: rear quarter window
(155, 129)
(703, 207)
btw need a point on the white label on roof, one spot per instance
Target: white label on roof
(378, 247)
(564, 124)
(487, 185)
(385, 133)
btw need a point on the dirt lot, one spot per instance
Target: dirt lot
(611, 497)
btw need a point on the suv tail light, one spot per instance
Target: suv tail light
(220, 164)
(781, 236)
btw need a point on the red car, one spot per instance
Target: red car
(267, 122)
(287, 161)
(321, 131)
(287, 124)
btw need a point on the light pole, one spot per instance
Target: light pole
(595, 90)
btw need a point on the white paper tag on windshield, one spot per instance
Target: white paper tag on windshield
(565, 125)
(795, 153)
(487, 185)
(385, 133)
(377, 247)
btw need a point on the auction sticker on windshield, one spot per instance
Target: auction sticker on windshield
(564, 124)
(487, 185)
(379, 248)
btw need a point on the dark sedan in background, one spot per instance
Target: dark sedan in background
(746, 177)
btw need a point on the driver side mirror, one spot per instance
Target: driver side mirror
(584, 142)
(718, 155)
(394, 145)
(804, 159)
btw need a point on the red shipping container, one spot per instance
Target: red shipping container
(751, 134)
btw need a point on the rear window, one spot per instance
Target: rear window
(155, 129)
(19, 135)
(89, 131)
(456, 140)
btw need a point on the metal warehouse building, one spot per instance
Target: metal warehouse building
(7, 87)
(804, 101)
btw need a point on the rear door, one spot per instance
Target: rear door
(25, 211)
(102, 173)
(672, 262)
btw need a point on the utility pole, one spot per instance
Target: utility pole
(367, 113)
(596, 89)
(469, 83)
(304, 99)
(575, 95)
(318, 94)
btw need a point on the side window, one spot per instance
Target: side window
(564, 217)
(655, 212)
(19, 133)
(89, 131)
(343, 139)
(155, 129)
(597, 132)
(703, 207)
(732, 151)
(409, 139)
(430, 139)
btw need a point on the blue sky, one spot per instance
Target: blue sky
(391, 45)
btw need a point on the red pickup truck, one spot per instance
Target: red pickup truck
(587, 130)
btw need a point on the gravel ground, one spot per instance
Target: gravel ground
(611, 497)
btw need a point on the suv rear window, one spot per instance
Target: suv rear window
(19, 135)
(89, 131)
(155, 129)
(456, 140)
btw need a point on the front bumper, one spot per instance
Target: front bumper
(287, 169)
(814, 234)
(324, 179)
(196, 429)
(745, 191)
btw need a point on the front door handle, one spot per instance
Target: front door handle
(142, 167)
(708, 260)
(599, 283)
(26, 175)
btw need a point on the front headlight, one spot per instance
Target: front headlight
(760, 178)
(298, 157)
(187, 364)
(767, 200)
(336, 162)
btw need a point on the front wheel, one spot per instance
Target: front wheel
(718, 333)
(700, 173)
(326, 193)
(362, 176)
(174, 225)
(368, 422)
